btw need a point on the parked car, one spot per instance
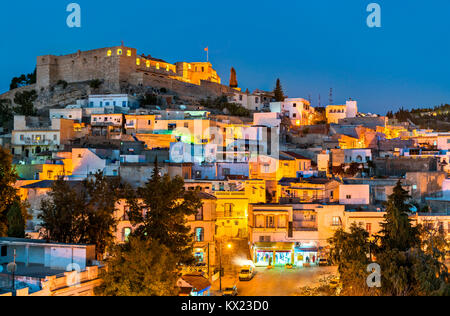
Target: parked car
(230, 291)
(247, 273)
(323, 262)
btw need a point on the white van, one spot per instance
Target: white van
(246, 273)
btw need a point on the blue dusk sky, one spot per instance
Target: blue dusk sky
(310, 45)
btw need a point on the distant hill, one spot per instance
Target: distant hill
(437, 118)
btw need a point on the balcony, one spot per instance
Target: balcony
(37, 142)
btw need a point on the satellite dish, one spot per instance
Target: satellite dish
(183, 107)
(11, 267)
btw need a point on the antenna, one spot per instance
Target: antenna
(320, 103)
(331, 96)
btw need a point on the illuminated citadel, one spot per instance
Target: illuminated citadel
(119, 66)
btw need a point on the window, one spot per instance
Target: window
(348, 197)
(228, 210)
(4, 251)
(138, 62)
(199, 234)
(119, 52)
(126, 234)
(199, 215)
(336, 221)
(270, 221)
(186, 125)
(157, 66)
(21, 137)
(295, 105)
(109, 53)
(369, 228)
(129, 53)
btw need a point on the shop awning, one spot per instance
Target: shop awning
(280, 246)
(307, 249)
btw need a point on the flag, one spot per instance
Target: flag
(206, 49)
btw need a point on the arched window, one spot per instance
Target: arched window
(109, 53)
(148, 64)
(129, 53)
(138, 62)
(157, 66)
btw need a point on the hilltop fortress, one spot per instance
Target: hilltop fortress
(119, 65)
(121, 70)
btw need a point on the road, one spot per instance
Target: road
(282, 282)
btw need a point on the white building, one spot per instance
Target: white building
(32, 135)
(74, 114)
(357, 155)
(299, 111)
(354, 194)
(117, 100)
(271, 119)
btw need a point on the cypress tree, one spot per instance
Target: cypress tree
(278, 91)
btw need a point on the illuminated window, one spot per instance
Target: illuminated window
(109, 53)
(189, 66)
(167, 68)
(157, 66)
(148, 64)
(119, 52)
(138, 62)
(126, 234)
(199, 234)
(129, 53)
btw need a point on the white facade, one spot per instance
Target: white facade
(354, 194)
(357, 155)
(298, 110)
(267, 119)
(68, 114)
(86, 162)
(443, 141)
(117, 100)
(53, 256)
(107, 119)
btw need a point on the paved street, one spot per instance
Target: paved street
(282, 282)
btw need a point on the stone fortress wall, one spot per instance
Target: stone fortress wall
(120, 66)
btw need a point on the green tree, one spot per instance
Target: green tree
(82, 214)
(25, 101)
(60, 212)
(8, 194)
(6, 114)
(350, 251)
(23, 80)
(159, 211)
(141, 267)
(397, 230)
(278, 91)
(17, 219)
